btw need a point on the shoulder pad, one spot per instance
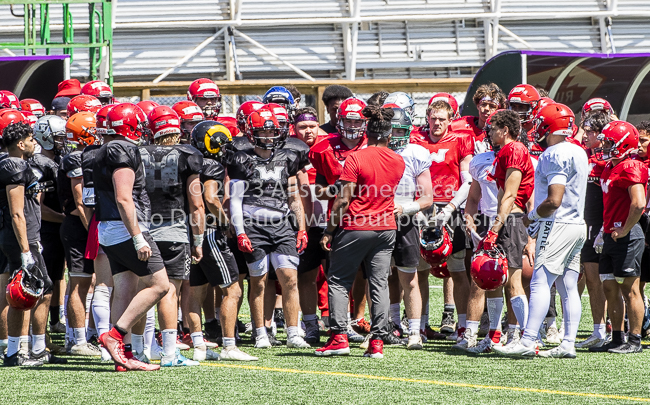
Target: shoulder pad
(241, 143)
(122, 154)
(241, 166)
(71, 161)
(212, 170)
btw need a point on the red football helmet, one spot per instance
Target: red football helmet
(440, 271)
(30, 118)
(102, 123)
(489, 269)
(24, 290)
(9, 100)
(9, 116)
(350, 109)
(449, 99)
(619, 139)
(147, 105)
(206, 88)
(127, 120)
(231, 124)
(596, 104)
(164, 121)
(435, 245)
(283, 118)
(543, 102)
(527, 95)
(244, 110)
(33, 105)
(263, 120)
(83, 103)
(100, 90)
(554, 119)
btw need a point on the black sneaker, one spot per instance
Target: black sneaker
(626, 348)
(21, 360)
(241, 326)
(213, 329)
(397, 330)
(272, 338)
(447, 325)
(392, 340)
(605, 348)
(47, 358)
(278, 317)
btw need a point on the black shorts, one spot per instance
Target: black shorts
(512, 239)
(407, 244)
(645, 262)
(314, 254)
(74, 236)
(622, 258)
(588, 253)
(177, 259)
(242, 267)
(218, 266)
(274, 237)
(11, 250)
(123, 257)
(53, 250)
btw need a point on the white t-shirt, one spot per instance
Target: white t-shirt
(479, 168)
(567, 164)
(417, 160)
(114, 232)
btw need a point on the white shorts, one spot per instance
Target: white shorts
(278, 261)
(558, 246)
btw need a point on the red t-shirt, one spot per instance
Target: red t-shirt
(467, 125)
(328, 156)
(515, 156)
(311, 170)
(615, 180)
(376, 172)
(446, 155)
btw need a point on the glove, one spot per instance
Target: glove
(301, 242)
(443, 216)
(27, 260)
(490, 240)
(599, 242)
(244, 244)
(533, 229)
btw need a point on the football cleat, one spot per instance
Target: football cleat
(262, 342)
(296, 342)
(47, 358)
(86, 349)
(375, 349)
(558, 353)
(447, 325)
(202, 353)
(513, 336)
(114, 346)
(353, 336)
(141, 357)
(414, 342)
(591, 341)
(392, 340)
(366, 341)
(57, 328)
(234, 354)
(177, 360)
(278, 317)
(337, 345)
(361, 326)
(134, 364)
(486, 345)
(626, 348)
(21, 359)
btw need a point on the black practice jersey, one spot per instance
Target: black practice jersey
(18, 171)
(69, 168)
(213, 170)
(46, 170)
(110, 157)
(267, 180)
(167, 169)
(241, 143)
(87, 161)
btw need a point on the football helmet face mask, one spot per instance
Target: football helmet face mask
(50, 133)
(351, 123)
(129, 121)
(244, 110)
(449, 99)
(9, 116)
(435, 245)
(523, 99)
(83, 103)
(260, 125)
(100, 90)
(205, 93)
(33, 105)
(619, 139)
(9, 100)
(402, 127)
(163, 121)
(282, 96)
(554, 119)
(24, 290)
(440, 271)
(404, 101)
(80, 130)
(212, 139)
(283, 118)
(489, 269)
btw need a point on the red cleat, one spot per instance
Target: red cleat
(114, 345)
(337, 345)
(134, 364)
(375, 349)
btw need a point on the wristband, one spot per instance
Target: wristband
(139, 242)
(411, 208)
(533, 215)
(198, 240)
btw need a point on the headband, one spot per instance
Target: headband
(489, 100)
(306, 117)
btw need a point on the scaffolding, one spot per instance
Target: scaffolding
(38, 32)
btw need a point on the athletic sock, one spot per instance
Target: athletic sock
(511, 326)
(309, 318)
(179, 315)
(54, 314)
(137, 343)
(228, 342)
(260, 331)
(197, 339)
(169, 341)
(462, 323)
(472, 327)
(292, 331)
(120, 332)
(600, 330)
(618, 337)
(38, 343)
(89, 300)
(520, 308)
(13, 345)
(101, 307)
(79, 336)
(394, 313)
(450, 308)
(414, 325)
(150, 329)
(494, 308)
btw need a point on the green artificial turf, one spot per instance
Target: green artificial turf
(89, 381)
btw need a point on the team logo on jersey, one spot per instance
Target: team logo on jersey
(439, 156)
(605, 186)
(265, 174)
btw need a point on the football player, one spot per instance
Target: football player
(487, 99)
(205, 93)
(332, 97)
(190, 115)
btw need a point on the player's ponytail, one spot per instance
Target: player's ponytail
(379, 121)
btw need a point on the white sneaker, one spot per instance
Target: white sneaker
(414, 342)
(296, 342)
(177, 360)
(262, 342)
(233, 353)
(513, 336)
(515, 350)
(86, 349)
(202, 353)
(553, 335)
(558, 353)
(591, 341)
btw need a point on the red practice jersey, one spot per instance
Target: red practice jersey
(515, 156)
(328, 157)
(615, 180)
(468, 125)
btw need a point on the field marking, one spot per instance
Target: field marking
(432, 382)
